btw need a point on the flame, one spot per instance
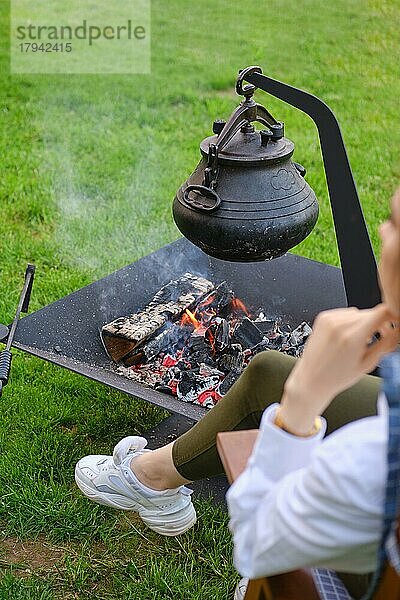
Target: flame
(210, 298)
(204, 312)
(188, 317)
(238, 305)
(211, 340)
(203, 315)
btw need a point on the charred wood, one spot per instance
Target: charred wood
(217, 334)
(122, 335)
(171, 339)
(193, 384)
(198, 351)
(231, 358)
(218, 302)
(247, 334)
(229, 380)
(200, 356)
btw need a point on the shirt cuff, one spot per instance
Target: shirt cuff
(278, 452)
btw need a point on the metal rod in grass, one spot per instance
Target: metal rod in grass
(23, 304)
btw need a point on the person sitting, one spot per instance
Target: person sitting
(302, 500)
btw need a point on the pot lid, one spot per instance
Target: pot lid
(237, 140)
(250, 146)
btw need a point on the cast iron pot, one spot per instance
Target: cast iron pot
(246, 200)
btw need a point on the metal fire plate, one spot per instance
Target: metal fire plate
(66, 332)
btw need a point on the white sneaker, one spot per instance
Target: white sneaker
(241, 588)
(109, 480)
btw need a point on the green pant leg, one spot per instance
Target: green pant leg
(261, 384)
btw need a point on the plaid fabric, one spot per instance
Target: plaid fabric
(393, 550)
(329, 586)
(390, 371)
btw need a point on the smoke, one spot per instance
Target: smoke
(103, 225)
(112, 184)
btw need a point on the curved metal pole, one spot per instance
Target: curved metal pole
(355, 249)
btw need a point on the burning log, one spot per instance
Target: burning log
(193, 340)
(218, 302)
(121, 336)
(172, 338)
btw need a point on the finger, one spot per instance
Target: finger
(387, 343)
(379, 314)
(385, 331)
(387, 334)
(371, 320)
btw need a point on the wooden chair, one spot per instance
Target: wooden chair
(234, 448)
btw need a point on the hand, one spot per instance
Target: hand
(337, 354)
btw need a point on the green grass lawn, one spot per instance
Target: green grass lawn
(89, 167)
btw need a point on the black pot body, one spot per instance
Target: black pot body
(266, 208)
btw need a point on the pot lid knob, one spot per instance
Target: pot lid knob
(218, 126)
(278, 131)
(266, 135)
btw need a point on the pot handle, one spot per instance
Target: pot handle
(247, 112)
(205, 200)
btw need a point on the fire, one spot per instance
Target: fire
(204, 311)
(238, 305)
(210, 298)
(204, 314)
(211, 340)
(188, 317)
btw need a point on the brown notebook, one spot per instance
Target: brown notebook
(234, 448)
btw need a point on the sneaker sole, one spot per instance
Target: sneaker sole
(240, 591)
(177, 526)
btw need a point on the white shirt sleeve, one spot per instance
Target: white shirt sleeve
(307, 502)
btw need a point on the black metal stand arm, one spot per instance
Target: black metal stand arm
(355, 250)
